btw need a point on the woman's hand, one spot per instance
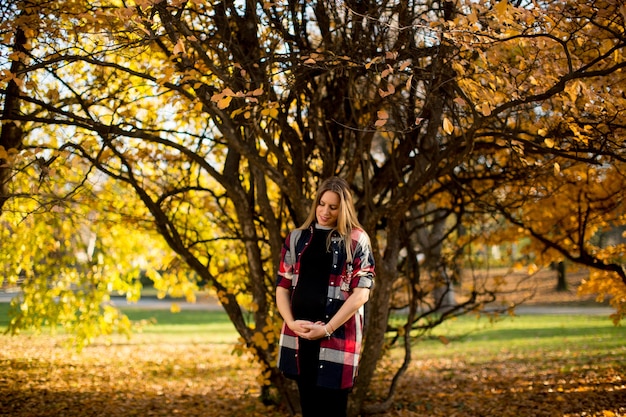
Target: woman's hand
(315, 331)
(301, 327)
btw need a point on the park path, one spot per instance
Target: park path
(151, 303)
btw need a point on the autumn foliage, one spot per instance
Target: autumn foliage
(175, 142)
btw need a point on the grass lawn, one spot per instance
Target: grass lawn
(526, 334)
(183, 364)
(210, 326)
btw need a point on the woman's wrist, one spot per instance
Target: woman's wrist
(332, 329)
(329, 329)
(325, 327)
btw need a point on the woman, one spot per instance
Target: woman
(325, 275)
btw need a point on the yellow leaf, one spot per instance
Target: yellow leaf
(549, 142)
(544, 132)
(557, 168)
(485, 109)
(175, 308)
(3, 153)
(237, 112)
(380, 122)
(448, 127)
(573, 90)
(271, 112)
(472, 17)
(500, 8)
(458, 68)
(167, 75)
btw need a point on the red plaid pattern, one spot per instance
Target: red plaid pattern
(339, 354)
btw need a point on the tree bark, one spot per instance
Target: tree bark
(561, 283)
(11, 134)
(376, 317)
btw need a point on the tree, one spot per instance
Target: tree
(562, 132)
(11, 133)
(219, 118)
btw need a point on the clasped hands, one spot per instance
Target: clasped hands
(308, 330)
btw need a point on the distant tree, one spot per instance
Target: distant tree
(561, 279)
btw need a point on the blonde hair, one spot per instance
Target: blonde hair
(346, 220)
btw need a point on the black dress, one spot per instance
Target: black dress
(309, 303)
(309, 298)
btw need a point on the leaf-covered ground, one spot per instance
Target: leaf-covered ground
(545, 384)
(141, 377)
(147, 376)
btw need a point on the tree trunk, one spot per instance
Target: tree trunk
(561, 284)
(11, 134)
(376, 318)
(287, 391)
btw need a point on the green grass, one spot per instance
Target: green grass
(521, 333)
(165, 318)
(524, 334)
(4, 315)
(211, 326)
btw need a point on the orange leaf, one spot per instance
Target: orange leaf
(224, 102)
(179, 48)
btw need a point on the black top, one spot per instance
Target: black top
(309, 297)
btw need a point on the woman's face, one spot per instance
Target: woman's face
(327, 210)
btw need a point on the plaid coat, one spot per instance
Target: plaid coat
(339, 354)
